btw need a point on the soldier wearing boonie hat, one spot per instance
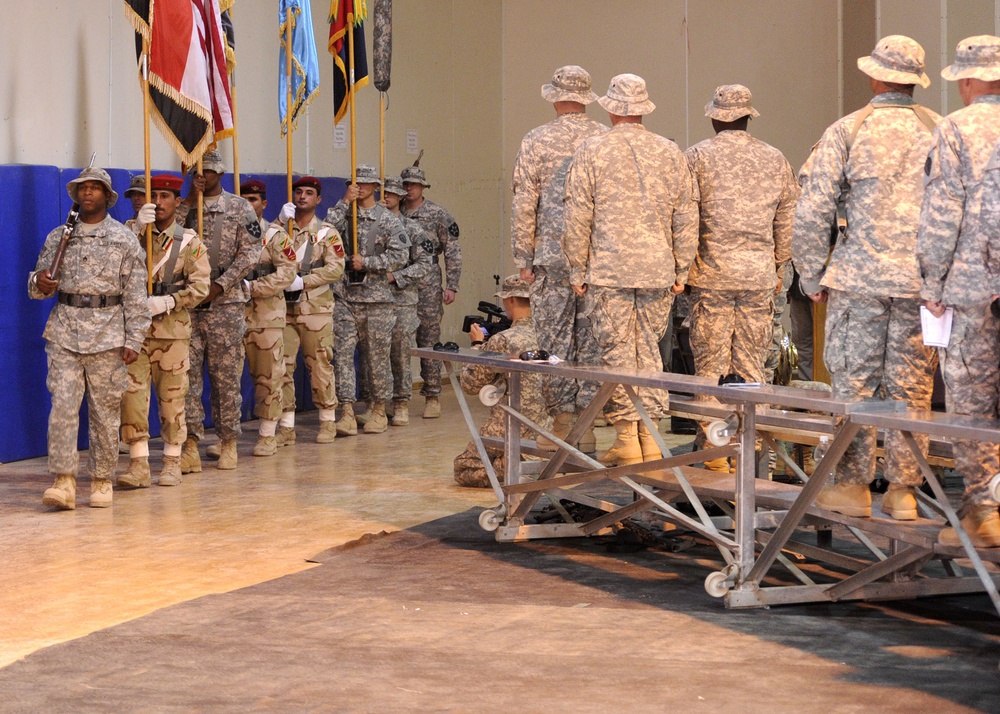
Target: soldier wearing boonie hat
(136, 193)
(873, 339)
(731, 102)
(537, 230)
(954, 237)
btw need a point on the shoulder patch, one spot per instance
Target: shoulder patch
(427, 245)
(253, 228)
(288, 250)
(338, 249)
(453, 230)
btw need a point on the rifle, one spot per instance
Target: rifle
(71, 220)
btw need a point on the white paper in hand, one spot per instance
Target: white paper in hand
(937, 330)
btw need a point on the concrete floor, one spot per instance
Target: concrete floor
(201, 598)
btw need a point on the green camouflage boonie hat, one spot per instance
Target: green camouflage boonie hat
(975, 58)
(569, 84)
(897, 59)
(513, 286)
(136, 185)
(93, 174)
(365, 173)
(730, 102)
(394, 184)
(627, 97)
(414, 174)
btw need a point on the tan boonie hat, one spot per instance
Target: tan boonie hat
(730, 102)
(212, 161)
(513, 286)
(394, 184)
(627, 97)
(93, 174)
(975, 58)
(896, 59)
(365, 173)
(414, 174)
(569, 84)
(136, 185)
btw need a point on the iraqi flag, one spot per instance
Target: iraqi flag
(188, 80)
(345, 14)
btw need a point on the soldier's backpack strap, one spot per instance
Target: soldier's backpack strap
(170, 283)
(306, 265)
(922, 114)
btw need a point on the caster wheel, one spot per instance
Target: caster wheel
(718, 433)
(489, 521)
(994, 486)
(716, 584)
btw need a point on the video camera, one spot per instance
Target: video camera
(494, 322)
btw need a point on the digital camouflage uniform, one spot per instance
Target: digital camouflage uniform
(631, 233)
(163, 360)
(265, 317)
(366, 314)
(84, 345)
(874, 346)
(405, 287)
(954, 240)
(561, 318)
(232, 237)
(443, 232)
(309, 321)
(520, 337)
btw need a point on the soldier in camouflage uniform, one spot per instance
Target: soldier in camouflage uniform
(181, 276)
(537, 229)
(136, 193)
(746, 192)
(520, 337)
(309, 300)
(232, 237)
(367, 313)
(631, 234)
(265, 315)
(443, 230)
(955, 235)
(404, 282)
(874, 347)
(94, 331)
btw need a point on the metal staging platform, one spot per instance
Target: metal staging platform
(767, 525)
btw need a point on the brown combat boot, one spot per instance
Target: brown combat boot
(900, 502)
(101, 493)
(626, 449)
(137, 475)
(432, 408)
(347, 425)
(327, 432)
(285, 436)
(849, 499)
(377, 421)
(650, 449)
(62, 494)
(266, 446)
(190, 458)
(170, 475)
(228, 457)
(981, 523)
(400, 413)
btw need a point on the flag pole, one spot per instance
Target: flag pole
(145, 151)
(381, 139)
(288, 108)
(201, 204)
(354, 148)
(236, 128)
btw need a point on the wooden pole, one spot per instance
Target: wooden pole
(236, 132)
(381, 137)
(145, 149)
(354, 147)
(288, 109)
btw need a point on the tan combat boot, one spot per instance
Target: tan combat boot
(626, 449)
(849, 499)
(363, 417)
(432, 408)
(347, 425)
(561, 425)
(265, 446)
(588, 442)
(285, 436)
(650, 449)
(377, 421)
(190, 458)
(101, 493)
(982, 523)
(170, 475)
(62, 495)
(719, 465)
(900, 502)
(400, 413)
(227, 455)
(327, 432)
(213, 451)
(137, 475)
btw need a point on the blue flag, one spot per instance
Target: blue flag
(305, 65)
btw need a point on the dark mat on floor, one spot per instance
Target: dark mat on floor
(441, 618)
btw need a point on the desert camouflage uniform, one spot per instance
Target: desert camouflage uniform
(164, 356)
(232, 238)
(406, 281)
(84, 345)
(954, 239)
(631, 233)
(561, 318)
(265, 316)
(443, 232)
(520, 337)
(310, 315)
(874, 346)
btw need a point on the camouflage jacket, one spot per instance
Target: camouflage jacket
(882, 179)
(520, 337)
(953, 242)
(631, 216)
(443, 230)
(107, 260)
(191, 274)
(274, 272)
(406, 280)
(325, 266)
(537, 219)
(233, 239)
(990, 213)
(746, 199)
(382, 244)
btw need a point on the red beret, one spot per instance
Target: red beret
(308, 182)
(166, 182)
(253, 186)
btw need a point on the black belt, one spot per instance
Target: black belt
(168, 288)
(261, 271)
(80, 300)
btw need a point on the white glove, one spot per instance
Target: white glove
(287, 212)
(145, 216)
(296, 284)
(246, 286)
(159, 304)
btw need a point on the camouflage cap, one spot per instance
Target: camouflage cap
(627, 96)
(569, 84)
(365, 173)
(975, 58)
(896, 59)
(414, 174)
(137, 184)
(93, 174)
(730, 102)
(394, 184)
(513, 286)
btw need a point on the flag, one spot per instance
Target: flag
(343, 14)
(305, 63)
(188, 82)
(229, 34)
